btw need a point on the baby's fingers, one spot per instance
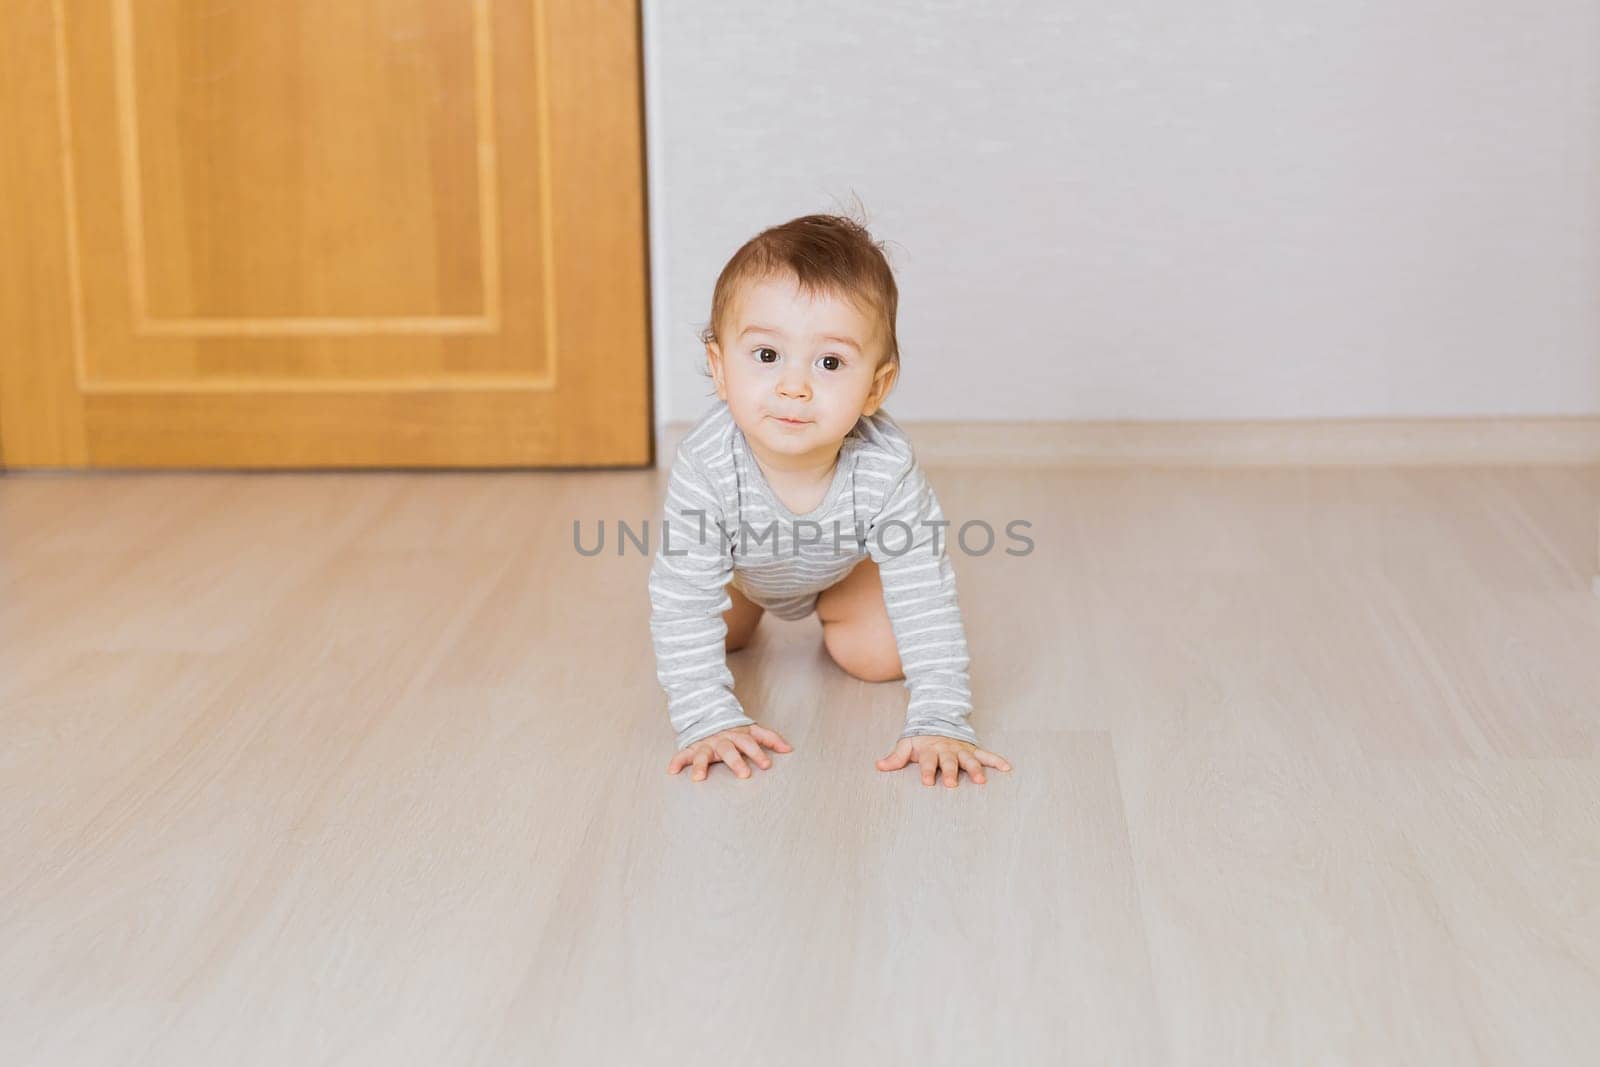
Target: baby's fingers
(770, 738)
(898, 758)
(991, 760)
(702, 762)
(974, 768)
(731, 757)
(752, 748)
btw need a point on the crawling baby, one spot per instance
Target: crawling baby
(797, 493)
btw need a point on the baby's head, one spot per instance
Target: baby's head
(803, 327)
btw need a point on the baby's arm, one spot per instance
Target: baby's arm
(688, 594)
(919, 591)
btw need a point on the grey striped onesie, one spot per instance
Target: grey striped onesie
(723, 523)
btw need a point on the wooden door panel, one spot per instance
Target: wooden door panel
(374, 233)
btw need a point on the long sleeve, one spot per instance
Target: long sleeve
(919, 591)
(688, 594)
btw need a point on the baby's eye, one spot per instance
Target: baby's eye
(758, 352)
(837, 362)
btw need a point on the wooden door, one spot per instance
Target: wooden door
(303, 233)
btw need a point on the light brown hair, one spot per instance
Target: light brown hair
(826, 254)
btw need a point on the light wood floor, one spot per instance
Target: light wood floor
(346, 768)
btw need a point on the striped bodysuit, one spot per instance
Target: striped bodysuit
(724, 524)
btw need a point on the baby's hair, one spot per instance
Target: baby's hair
(826, 254)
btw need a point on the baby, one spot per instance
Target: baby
(796, 494)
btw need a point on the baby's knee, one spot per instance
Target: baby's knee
(870, 656)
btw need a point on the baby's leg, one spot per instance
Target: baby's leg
(855, 626)
(741, 618)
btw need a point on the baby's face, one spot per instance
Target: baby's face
(784, 355)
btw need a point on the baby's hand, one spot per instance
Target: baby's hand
(934, 752)
(726, 746)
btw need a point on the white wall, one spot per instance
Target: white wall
(1154, 209)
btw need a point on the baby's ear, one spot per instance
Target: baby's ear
(882, 382)
(714, 363)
